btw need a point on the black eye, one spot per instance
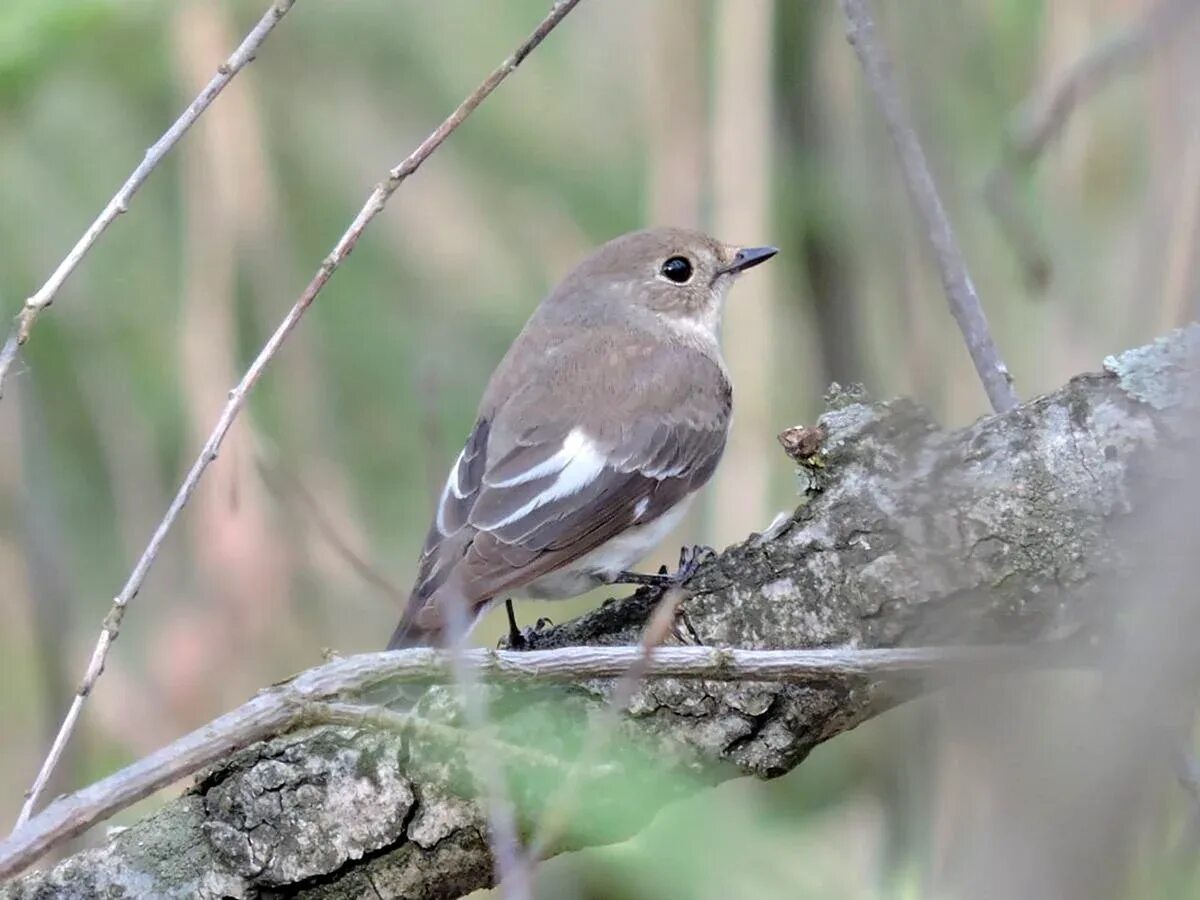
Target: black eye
(677, 269)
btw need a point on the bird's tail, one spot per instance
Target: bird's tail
(407, 634)
(446, 615)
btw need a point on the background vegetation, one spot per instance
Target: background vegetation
(745, 117)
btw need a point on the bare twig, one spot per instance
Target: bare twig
(237, 397)
(280, 707)
(288, 485)
(512, 873)
(1043, 116)
(960, 290)
(1000, 196)
(45, 295)
(558, 809)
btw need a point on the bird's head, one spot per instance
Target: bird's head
(680, 275)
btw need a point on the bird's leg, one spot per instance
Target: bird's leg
(516, 640)
(690, 560)
(519, 639)
(658, 580)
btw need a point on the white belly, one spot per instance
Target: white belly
(603, 564)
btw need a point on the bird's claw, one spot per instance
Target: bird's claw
(683, 630)
(523, 639)
(690, 560)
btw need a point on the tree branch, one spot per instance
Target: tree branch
(296, 701)
(237, 397)
(1043, 116)
(956, 280)
(119, 204)
(1008, 531)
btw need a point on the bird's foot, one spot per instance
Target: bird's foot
(690, 560)
(659, 579)
(523, 639)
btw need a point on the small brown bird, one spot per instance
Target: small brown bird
(607, 414)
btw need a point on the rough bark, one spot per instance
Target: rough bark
(908, 535)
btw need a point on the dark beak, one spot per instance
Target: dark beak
(748, 258)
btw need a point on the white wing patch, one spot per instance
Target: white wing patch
(574, 443)
(453, 482)
(578, 463)
(452, 487)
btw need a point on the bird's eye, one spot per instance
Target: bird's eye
(677, 269)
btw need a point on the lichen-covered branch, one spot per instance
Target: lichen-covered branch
(310, 698)
(910, 535)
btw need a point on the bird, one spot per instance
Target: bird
(608, 413)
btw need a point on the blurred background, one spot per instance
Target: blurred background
(747, 118)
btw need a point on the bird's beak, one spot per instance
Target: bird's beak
(748, 258)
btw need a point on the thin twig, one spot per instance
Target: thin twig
(288, 485)
(277, 708)
(45, 295)
(960, 290)
(559, 809)
(512, 874)
(1043, 116)
(237, 397)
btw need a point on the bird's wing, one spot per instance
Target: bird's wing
(537, 485)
